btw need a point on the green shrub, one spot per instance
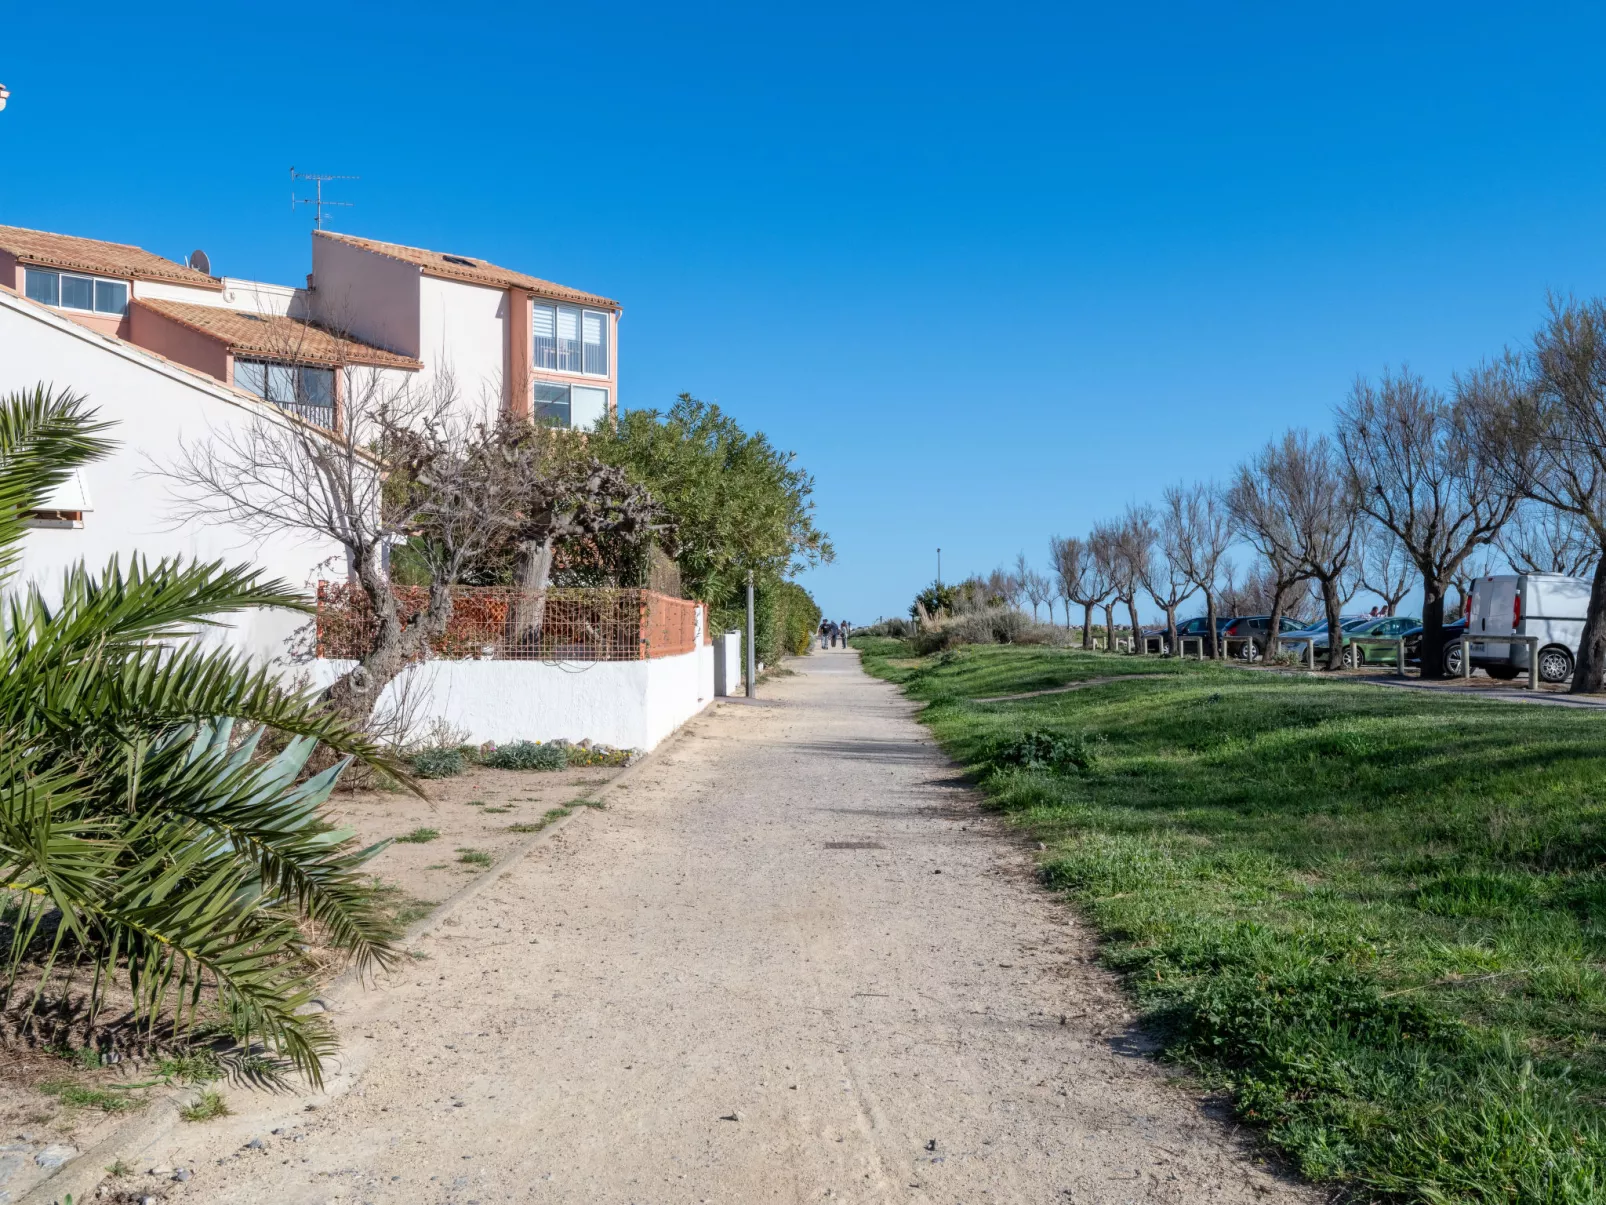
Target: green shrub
(528, 755)
(1044, 749)
(439, 763)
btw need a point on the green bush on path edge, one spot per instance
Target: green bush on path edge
(1377, 918)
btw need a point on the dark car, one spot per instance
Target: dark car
(1452, 650)
(1255, 628)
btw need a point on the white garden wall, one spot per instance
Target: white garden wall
(627, 704)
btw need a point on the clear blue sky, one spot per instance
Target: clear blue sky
(991, 272)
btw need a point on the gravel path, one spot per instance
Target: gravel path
(790, 962)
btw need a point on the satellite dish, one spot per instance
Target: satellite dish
(199, 262)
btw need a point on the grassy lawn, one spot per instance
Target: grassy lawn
(1377, 916)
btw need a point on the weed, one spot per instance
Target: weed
(205, 1107)
(497, 811)
(526, 828)
(200, 1067)
(419, 836)
(79, 1097)
(1043, 749)
(418, 955)
(119, 1168)
(529, 755)
(474, 857)
(439, 763)
(555, 814)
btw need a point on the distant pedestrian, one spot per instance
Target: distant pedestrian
(833, 631)
(824, 632)
(847, 629)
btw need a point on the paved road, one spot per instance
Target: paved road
(791, 962)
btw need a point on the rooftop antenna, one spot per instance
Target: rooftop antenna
(316, 201)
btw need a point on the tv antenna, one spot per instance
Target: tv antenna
(316, 200)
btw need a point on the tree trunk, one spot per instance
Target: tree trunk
(1330, 603)
(1432, 646)
(1274, 624)
(1109, 626)
(1210, 619)
(1589, 675)
(528, 611)
(1171, 629)
(1132, 616)
(356, 692)
(1087, 625)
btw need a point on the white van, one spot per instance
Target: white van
(1547, 605)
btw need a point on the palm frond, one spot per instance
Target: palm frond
(44, 436)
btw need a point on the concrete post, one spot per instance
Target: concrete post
(1399, 657)
(1533, 662)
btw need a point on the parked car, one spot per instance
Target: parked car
(1188, 631)
(1550, 606)
(1255, 627)
(1385, 627)
(1452, 632)
(1296, 638)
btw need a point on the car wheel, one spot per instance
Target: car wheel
(1354, 658)
(1555, 664)
(1452, 660)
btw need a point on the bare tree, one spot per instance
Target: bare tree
(1264, 523)
(1544, 539)
(1164, 574)
(1104, 545)
(1132, 544)
(1083, 579)
(1384, 566)
(1201, 527)
(1415, 468)
(1554, 447)
(404, 468)
(555, 491)
(1304, 478)
(1037, 588)
(1069, 565)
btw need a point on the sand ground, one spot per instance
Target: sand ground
(791, 961)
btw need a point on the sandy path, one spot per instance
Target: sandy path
(794, 918)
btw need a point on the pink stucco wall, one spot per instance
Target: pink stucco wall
(160, 334)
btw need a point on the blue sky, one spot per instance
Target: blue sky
(992, 273)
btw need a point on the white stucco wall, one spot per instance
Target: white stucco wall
(165, 290)
(628, 704)
(151, 403)
(463, 329)
(373, 297)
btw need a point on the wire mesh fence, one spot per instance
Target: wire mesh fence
(506, 624)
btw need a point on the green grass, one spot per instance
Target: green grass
(474, 857)
(208, 1105)
(80, 1097)
(419, 836)
(1377, 916)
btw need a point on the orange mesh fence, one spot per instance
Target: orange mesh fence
(499, 623)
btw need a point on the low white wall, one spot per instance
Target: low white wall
(628, 704)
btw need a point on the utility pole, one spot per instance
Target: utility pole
(752, 654)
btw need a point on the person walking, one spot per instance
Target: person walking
(846, 629)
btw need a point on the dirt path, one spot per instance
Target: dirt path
(790, 962)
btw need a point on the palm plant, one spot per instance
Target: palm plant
(143, 836)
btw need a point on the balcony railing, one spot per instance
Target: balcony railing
(495, 623)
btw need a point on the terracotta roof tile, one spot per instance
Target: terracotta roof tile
(473, 271)
(274, 336)
(102, 258)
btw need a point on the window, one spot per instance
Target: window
(575, 406)
(569, 339)
(303, 390)
(70, 291)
